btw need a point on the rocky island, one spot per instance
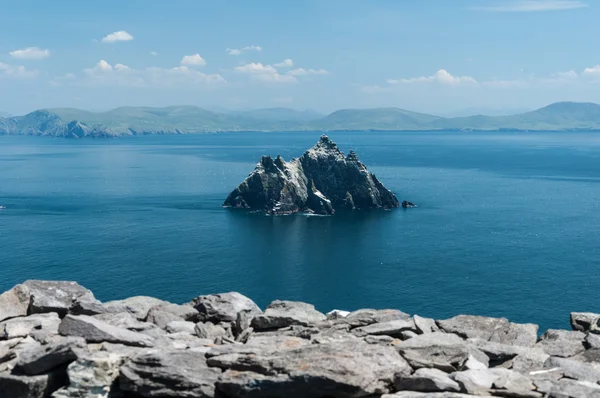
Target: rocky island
(57, 340)
(320, 181)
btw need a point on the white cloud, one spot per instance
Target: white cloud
(181, 76)
(304, 72)
(593, 71)
(32, 53)
(238, 51)
(121, 35)
(265, 73)
(442, 76)
(532, 5)
(286, 63)
(153, 53)
(566, 75)
(195, 60)
(17, 72)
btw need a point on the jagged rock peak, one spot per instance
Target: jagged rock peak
(320, 181)
(352, 156)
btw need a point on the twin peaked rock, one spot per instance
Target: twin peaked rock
(320, 181)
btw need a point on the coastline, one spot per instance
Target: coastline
(57, 340)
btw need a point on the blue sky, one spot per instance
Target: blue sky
(435, 56)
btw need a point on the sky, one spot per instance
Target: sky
(435, 56)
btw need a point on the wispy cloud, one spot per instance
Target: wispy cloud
(238, 51)
(17, 72)
(532, 6)
(269, 73)
(104, 73)
(266, 73)
(195, 60)
(154, 53)
(30, 53)
(304, 72)
(570, 78)
(286, 63)
(442, 76)
(121, 35)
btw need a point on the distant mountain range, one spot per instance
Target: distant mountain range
(74, 123)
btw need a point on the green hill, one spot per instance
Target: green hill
(70, 122)
(280, 114)
(375, 119)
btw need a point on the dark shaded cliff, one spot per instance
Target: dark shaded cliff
(320, 181)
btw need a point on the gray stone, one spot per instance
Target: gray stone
(280, 314)
(92, 376)
(517, 334)
(137, 306)
(245, 335)
(19, 386)
(425, 325)
(351, 368)
(471, 326)
(566, 388)
(14, 302)
(367, 317)
(260, 344)
(47, 357)
(224, 307)
(389, 328)
(383, 340)
(562, 343)
(56, 296)
(491, 329)
(243, 321)
(337, 314)
(163, 314)
(208, 330)
(181, 374)
(426, 380)
(446, 352)
(407, 334)
(592, 341)
(96, 331)
(89, 307)
(575, 370)
(12, 352)
(529, 361)
(125, 320)
(181, 327)
(25, 326)
(432, 339)
(480, 382)
(583, 321)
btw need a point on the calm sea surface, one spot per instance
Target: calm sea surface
(508, 224)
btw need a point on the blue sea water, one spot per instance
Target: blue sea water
(508, 224)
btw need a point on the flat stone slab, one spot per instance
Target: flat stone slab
(14, 302)
(96, 331)
(280, 314)
(169, 374)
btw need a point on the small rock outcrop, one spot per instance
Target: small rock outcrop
(320, 181)
(225, 346)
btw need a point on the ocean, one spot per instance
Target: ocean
(508, 224)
